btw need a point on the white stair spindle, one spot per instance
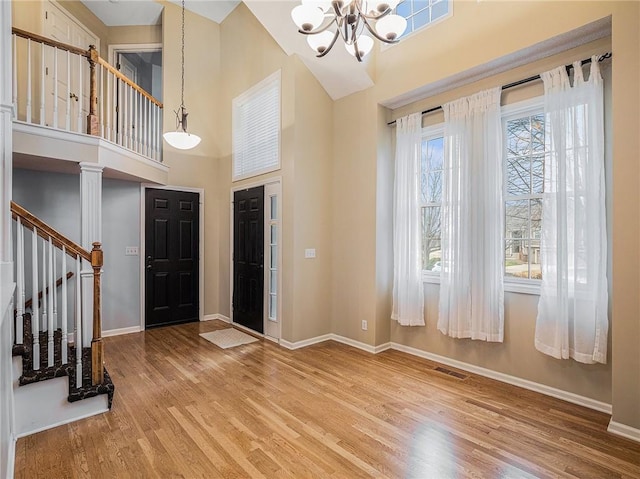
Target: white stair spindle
(68, 113)
(55, 87)
(50, 301)
(108, 107)
(101, 101)
(19, 338)
(42, 83)
(80, 95)
(43, 303)
(29, 81)
(55, 290)
(64, 306)
(125, 109)
(147, 126)
(78, 325)
(15, 76)
(35, 319)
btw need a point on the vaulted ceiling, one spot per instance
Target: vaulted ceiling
(339, 73)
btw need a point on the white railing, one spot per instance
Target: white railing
(40, 248)
(71, 89)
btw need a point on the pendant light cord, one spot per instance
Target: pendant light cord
(182, 90)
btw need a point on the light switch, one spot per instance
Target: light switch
(310, 253)
(131, 251)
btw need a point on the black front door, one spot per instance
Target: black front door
(248, 258)
(172, 248)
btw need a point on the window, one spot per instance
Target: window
(431, 197)
(420, 13)
(256, 129)
(273, 259)
(523, 189)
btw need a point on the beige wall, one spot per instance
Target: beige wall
(478, 33)
(249, 55)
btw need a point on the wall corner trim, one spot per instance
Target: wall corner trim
(120, 331)
(11, 456)
(221, 317)
(623, 430)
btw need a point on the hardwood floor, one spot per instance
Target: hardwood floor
(185, 408)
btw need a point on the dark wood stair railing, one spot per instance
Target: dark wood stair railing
(95, 258)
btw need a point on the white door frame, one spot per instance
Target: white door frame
(143, 266)
(116, 48)
(277, 182)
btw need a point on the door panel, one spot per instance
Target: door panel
(172, 246)
(248, 258)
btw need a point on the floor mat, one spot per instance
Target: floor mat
(228, 338)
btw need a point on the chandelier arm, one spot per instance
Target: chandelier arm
(320, 30)
(375, 34)
(333, 42)
(357, 50)
(376, 17)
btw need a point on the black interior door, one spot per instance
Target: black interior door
(172, 248)
(248, 258)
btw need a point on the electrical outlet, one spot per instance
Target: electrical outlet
(364, 325)
(310, 253)
(131, 251)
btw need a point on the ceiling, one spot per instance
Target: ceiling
(339, 73)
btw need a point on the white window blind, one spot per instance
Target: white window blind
(256, 129)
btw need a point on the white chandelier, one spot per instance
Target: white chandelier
(348, 19)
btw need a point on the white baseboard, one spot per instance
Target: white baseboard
(506, 378)
(211, 317)
(119, 331)
(623, 430)
(63, 422)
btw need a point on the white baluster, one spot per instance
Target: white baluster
(54, 289)
(42, 83)
(147, 126)
(78, 325)
(19, 337)
(119, 113)
(55, 87)
(64, 345)
(29, 81)
(35, 319)
(45, 311)
(101, 102)
(125, 108)
(15, 76)
(108, 106)
(68, 115)
(80, 95)
(50, 313)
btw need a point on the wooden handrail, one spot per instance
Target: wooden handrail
(118, 74)
(29, 302)
(51, 43)
(45, 231)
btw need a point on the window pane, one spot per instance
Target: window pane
(515, 261)
(424, 172)
(419, 5)
(273, 306)
(421, 18)
(534, 259)
(439, 9)
(404, 9)
(518, 176)
(273, 282)
(274, 207)
(274, 257)
(431, 222)
(435, 187)
(537, 174)
(435, 153)
(536, 218)
(518, 137)
(431, 254)
(537, 133)
(274, 234)
(517, 219)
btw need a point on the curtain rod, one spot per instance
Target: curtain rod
(518, 83)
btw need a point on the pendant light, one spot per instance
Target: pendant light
(180, 138)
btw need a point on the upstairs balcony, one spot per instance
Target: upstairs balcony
(70, 106)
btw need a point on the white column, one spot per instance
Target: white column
(91, 230)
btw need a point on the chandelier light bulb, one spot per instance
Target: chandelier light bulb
(391, 27)
(320, 42)
(365, 44)
(307, 17)
(383, 5)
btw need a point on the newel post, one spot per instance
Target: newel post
(96, 343)
(92, 117)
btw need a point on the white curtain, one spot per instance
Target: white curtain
(572, 317)
(408, 294)
(471, 280)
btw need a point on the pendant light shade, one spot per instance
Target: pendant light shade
(181, 139)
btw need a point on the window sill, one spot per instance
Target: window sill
(531, 286)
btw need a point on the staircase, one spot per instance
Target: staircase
(58, 368)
